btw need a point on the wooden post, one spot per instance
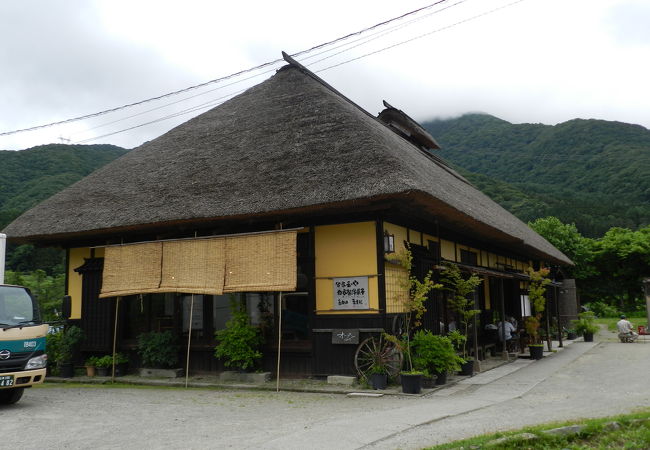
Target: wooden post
(504, 352)
(475, 334)
(548, 323)
(556, 300)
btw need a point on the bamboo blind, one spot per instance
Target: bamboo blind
(131, 269)
(193, 267)
(248, 263)
(262, 262)
(396, 288)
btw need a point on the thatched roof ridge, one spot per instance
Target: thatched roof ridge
(290, 142)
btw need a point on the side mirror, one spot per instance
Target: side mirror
(66, 307)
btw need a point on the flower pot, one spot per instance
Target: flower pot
(536, 351)
(411, 383)
(571, 336)
(121, 369)
(66, 370)
(428, 382)
(467, 368)
(378, 380)
(90, 371)
(589, 337)
(102, 371)
(441, 378)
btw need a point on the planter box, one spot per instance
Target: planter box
(379, 381)
(536, 351)
(245, 377)
(161, 373)
(411, 383)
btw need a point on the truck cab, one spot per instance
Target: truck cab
(23, 360)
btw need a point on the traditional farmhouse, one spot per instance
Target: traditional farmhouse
(294, 200)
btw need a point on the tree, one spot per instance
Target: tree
(462, 299)
(567, 239)
(622, 259)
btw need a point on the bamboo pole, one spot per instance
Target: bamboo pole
(189, 340)
(117, 309)
(277, 373)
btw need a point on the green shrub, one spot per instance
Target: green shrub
(586, 323)
(52, 347)
(239, 342)
(434, 353)
(104, 362)
(91, 361)
(69, 340)
(602, 309)
(158, 349)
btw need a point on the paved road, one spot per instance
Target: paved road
(584, 380)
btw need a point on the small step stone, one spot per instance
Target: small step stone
(565, 431)
(340, 379)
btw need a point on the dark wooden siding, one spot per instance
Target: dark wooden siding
(97, 315)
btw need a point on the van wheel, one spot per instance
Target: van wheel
(10, 396)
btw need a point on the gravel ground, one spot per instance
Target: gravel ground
(581, 381)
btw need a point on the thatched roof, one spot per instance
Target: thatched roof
(289, 143)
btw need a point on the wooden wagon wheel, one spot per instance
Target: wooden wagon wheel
(377, 351)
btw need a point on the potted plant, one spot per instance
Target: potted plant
(415, 294)
(435, 354)
(159, 354)
(571, 334)
(586, 325)
(103, 365)
(536, 294)
(91, 365)
(70, 339)
(239, 343)
(378, 376)
(462, 301)
(121, 364)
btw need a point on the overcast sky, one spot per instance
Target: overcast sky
(541, 61)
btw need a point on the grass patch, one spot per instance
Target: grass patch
(610, 322)
(629, 431)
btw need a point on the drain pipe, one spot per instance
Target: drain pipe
(3, 246)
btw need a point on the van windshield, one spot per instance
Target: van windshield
(17, 306)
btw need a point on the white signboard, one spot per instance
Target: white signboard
(525, 306)
(351, 293)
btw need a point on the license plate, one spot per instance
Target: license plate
(6, 380)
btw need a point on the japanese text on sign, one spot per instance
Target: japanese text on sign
(351, 293)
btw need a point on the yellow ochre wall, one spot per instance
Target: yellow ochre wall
(76, 259)
(450, 250)
(345, 250)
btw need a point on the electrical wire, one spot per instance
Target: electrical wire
(421, 36)
(210, 103)
(217, 80)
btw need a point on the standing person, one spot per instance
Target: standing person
(626, 330)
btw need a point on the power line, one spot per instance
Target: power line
(217, 80)
(342, 51)
(421, 36)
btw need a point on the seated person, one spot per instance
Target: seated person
(508, 331)
(625, 329)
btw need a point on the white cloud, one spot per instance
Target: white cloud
(535, 61)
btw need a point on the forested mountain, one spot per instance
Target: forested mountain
(593, 173)
(30, 176)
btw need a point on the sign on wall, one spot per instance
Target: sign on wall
(351, 293)
(345, 336)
